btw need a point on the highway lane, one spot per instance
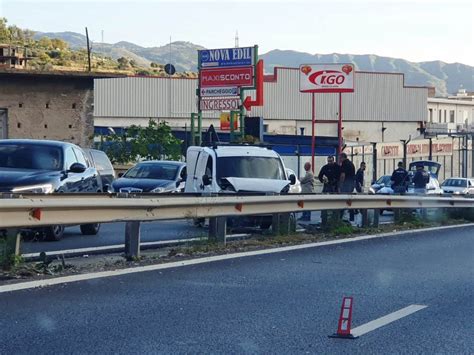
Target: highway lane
(278, 303)
(114, 234)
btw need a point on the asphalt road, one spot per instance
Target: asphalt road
(114, 234)
(278, 303)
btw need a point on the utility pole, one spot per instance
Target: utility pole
(88, 50)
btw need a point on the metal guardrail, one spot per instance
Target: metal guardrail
(70, 209)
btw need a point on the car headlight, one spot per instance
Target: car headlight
(371, 190)
(158, 190)
(35, 189)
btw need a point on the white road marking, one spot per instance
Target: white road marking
(97, 275)
(389, 318)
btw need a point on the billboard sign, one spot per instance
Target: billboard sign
(220, 91)
(226, 57)
(220, 104)
(327, 77)
(219, 77)
(225, 122)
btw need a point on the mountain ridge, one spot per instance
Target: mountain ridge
(446, 78)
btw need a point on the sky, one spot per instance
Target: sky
(415, 30)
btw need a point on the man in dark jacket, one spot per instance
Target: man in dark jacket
(359, 179)
(347, 180)
(347, 177)
(399, 179)
(421, 179)
(329, 175)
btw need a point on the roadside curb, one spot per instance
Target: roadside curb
(102, 274)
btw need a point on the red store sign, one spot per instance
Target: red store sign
(237, 76)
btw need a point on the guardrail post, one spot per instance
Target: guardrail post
(10, 248)
(283, 223)
(376, 217)
(365, 218)
(132, 240)
(217, 229)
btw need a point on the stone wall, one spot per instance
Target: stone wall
(48, 107)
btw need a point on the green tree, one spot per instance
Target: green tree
(45, 43)
(123, 63)
(156, 141)
(59, 44)
(5, 35)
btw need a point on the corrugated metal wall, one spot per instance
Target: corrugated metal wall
(377, 97)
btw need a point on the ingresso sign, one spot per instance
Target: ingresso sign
(220, 104)
(327, 77)
(226, 57)
(238, 76)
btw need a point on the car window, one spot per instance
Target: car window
(250, 167)
(80, 157)
(101, 160)
(456, 183)
(153, 171)
(70, 157)
(30, 156)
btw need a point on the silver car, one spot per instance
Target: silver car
(458, 186)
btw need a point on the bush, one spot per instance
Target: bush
(155, 141)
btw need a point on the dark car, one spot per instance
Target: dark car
(156, 176)
(41, 166)
(104, 167)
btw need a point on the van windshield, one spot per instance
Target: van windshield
(250, 167)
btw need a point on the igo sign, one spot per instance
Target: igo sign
(226, 57)
(327, 78)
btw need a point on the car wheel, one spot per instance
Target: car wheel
(90, 229)
(54, 233)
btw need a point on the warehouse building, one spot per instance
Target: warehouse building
(382, 108)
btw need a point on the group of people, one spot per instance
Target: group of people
(336, 178)
(343, 178)
(400, 179)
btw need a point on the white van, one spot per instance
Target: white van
(236, 169)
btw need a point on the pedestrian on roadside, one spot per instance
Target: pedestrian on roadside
(347, 180)
(347, 176)
(399, 179)
(421, 179)
(307, 187)
(329, 175)
(359, 178)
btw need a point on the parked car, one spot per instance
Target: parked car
(458, 186)
(155, 176)
(382, 182)
(42, 166)
(296, 187)
(432, 188)
(104, 167)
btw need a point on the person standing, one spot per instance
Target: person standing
(347, 177)
(359, 178)
(347, 180)
(329, 175)
(399, 179)
(421, 179)
(307, 187)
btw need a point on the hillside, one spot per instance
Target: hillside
(447, 78)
